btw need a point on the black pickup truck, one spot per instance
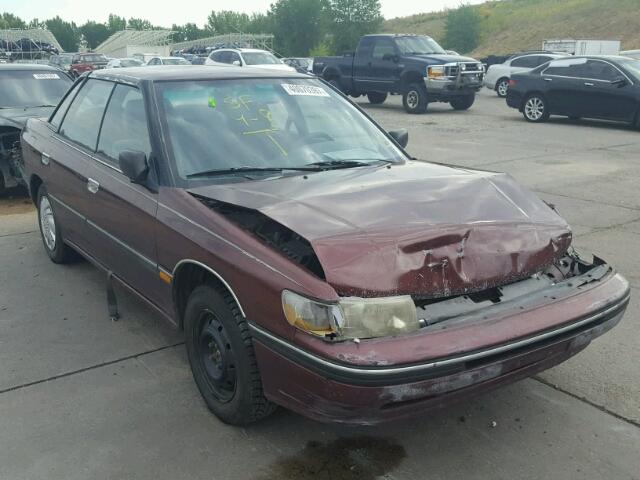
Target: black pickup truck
(412, 65)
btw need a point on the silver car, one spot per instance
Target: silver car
(497, 76)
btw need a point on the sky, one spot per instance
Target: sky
(166, 13)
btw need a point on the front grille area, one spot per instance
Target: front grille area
(470, 67)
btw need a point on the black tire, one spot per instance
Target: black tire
(534, 108)
(415, 99)
(502, 86)
(222, 359)
(463, 102)
(377, 98)
(54, 244)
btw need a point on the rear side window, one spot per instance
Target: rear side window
(57, 117)
(221, 57)
(530, 61)
(125, 125)
(82, 122)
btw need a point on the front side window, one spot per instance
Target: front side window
(266, 123)
(125, 124)
(234, 57)
(418, 45)
(32, 88)
(598, 70)
(82, 122)
(383, 47)
(260, 58)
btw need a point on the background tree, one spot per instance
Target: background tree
(227, 21)
(297, 25)
(116, 23)
(94, 33)
(188, 31)
(462, 29)
(66, 33)
(9, 20)
(351, 20)
(139, 24)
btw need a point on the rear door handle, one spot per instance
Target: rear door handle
(93, 186)
(588, 84)
(548, 79)
(44, 158)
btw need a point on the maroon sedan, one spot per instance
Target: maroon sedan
(310, 261)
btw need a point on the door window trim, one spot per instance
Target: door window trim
(587, 78)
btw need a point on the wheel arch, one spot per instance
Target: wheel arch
(34, 185)
(409, 77)
(189, 274)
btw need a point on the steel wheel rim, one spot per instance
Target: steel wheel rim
(47, 224)
(502, 88)
(534, 108)
(216, 357)
(413, 99)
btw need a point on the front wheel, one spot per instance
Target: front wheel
(535, 109)
(223, 363)
(376, 98)
(463, 103)
(414, 99)
(50, 231)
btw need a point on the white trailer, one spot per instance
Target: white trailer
(582, 47)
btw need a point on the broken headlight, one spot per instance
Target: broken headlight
(352, 317)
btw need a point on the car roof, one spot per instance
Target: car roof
(241, 49)
(189, 72)
(27, 66)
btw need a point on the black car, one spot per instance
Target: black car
(26, 91)
(604, 87)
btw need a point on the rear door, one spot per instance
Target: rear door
(70, 156)
(562, 83)
(121, 222)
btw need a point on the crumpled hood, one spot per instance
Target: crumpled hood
(17, 117)
(438, 59)
(423, 229)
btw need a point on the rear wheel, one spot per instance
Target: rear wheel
(463, 103)
(414, 99)
(502, 86)
(50, 231)
(376, 98)
(222, 359)
(535, 109)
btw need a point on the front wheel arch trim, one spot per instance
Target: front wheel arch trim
(176, 285)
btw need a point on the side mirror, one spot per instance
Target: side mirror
(619, 82)
(134, 165)
(237, 63)
(400, 136)
(390, 57)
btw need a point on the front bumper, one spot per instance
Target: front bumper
(335, 389)
(462, 83)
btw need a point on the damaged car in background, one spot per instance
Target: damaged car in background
(25, 91)
(309, 260)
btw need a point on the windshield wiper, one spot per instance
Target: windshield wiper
(335, 164)
(233, 170)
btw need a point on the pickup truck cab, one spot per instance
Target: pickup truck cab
(412, 65)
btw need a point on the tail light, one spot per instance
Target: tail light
(512, 82)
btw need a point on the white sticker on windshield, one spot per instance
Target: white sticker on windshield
(306, 90)
(46, 76)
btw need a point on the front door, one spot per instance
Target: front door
(121, 222)
(603, 96)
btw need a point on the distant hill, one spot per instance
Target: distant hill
(512, 25)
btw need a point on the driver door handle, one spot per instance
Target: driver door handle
(92, 185)
(588, 84)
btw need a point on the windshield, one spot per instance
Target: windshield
(131, 62)
(32, 88)
(218, 125)
(260, 58)
(93, 58)
(175, 61)
(632, 66)
(418, 45)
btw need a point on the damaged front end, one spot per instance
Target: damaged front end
(10, 157)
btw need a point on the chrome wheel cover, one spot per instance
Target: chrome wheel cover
(534, 108)
(47, 223)
(502, 88)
